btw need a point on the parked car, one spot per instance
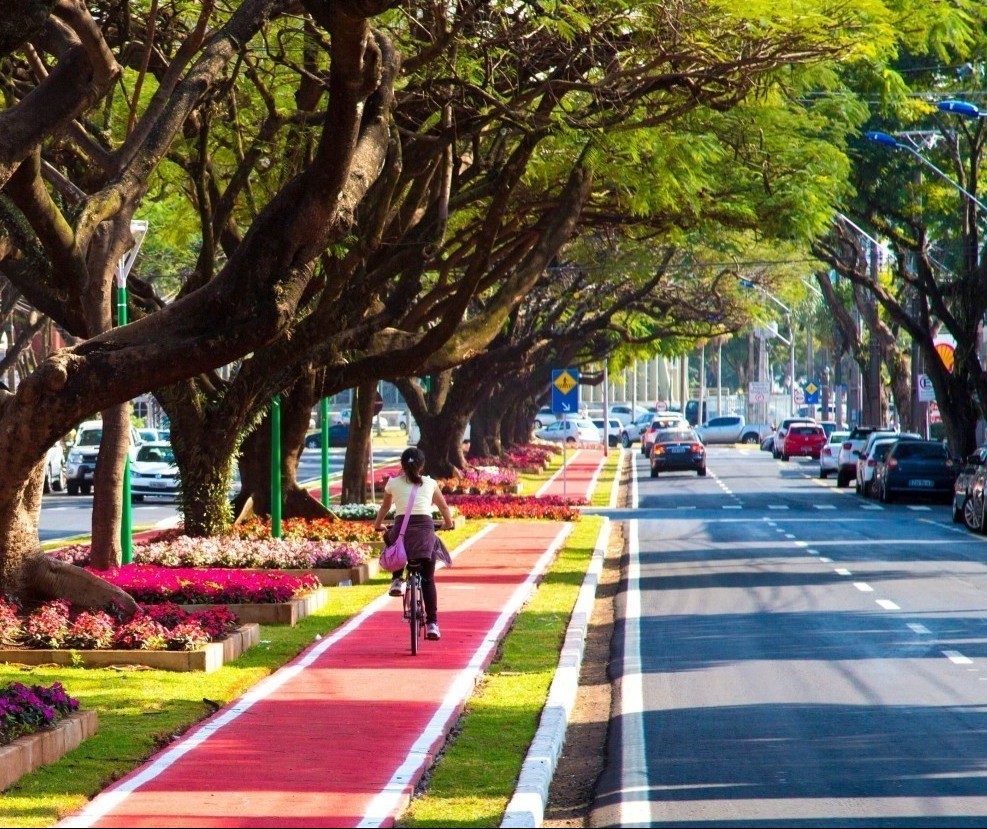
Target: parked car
(664, 420)
(874, 468)
(828, 455)
(850, 451)
(613, 430)
(778, 447)
(55, 468)
(631, 432)
(544, 417)
(345, 415)
(803, 440)
(732, 429)
(150, 435)
(626, 413)
(339, 435)
(829, 426)
(677, 450)
(922, 467)
(963, 489)
(868, 460)
(153, 472)
(80, 464)
(574, 430)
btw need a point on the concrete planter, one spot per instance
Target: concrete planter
(28, 753)
(281, 613)
(207, 659)
(330, 576)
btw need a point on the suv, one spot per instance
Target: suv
(631, 432)
(846, 468)
(868, 460)
(81, 463)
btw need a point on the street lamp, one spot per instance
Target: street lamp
(790, 342)
(964, 108)
(889, 141)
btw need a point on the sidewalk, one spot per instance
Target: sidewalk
(341, 735)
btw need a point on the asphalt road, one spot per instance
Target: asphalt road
(790, 654)
(66, 516)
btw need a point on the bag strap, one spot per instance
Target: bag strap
(407, 512)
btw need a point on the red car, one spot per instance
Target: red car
(804, 440)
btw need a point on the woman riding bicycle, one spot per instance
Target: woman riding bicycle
(420, 541)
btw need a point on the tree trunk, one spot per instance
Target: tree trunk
(107, 515)
(358, 447)
(485, 431)
(442, 443)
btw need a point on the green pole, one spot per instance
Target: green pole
(276, 466)
(127, 518)
(324, 418)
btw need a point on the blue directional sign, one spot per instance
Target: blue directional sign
(811, 390)
(565, 390)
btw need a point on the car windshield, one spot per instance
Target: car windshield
(156, 454)
(89, 437)
(921, 451)
(674, 436)
(838, 437)
(806, 430)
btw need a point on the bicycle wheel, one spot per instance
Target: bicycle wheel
(413, 619)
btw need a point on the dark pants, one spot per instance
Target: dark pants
(427, 569)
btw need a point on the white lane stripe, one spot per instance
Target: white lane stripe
(635, 808)
(547, 485)
(384, 806)
(813, 552)
(789, 536)
(957, 658)
(102, 804)
(777, 506)
(842, 571)
(915, 627)
(827, 560)
(863, 587)
(871, 506)
(731, 506)
(887, 604)
(824, 506)
(919, 508)
(615, 487)
(801, 544)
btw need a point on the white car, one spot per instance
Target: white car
(626, 413)
(870, 456)
(829, 455)
(577, 430)
(631, 433)
(544, 417)
(345, 415)
(55, 468)
(80, 465)
(153, 472)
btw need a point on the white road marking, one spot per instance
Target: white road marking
(789, 536)
(813, 552)
(842, 571)
(777, 506)
(915, 627)
(863, 587)
(801, 544)
(957, 658)
(919, 508)
(887, 604)
(731, 506)
(871, 506)
(827, 560)
(824, 506)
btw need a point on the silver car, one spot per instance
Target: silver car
(576, 430)
(829, 455)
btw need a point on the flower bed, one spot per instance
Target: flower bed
(172, 549)
(551, 507)
(312, 529)
(38, 724)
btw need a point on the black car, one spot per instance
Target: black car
(963, 489)
(677, 450)
(918, 467)
(339, 435)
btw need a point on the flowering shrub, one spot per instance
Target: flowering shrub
(481, 480)
(368, 512)
(154, 627)
(10, 624)
(550, 507)
(24, 709)
(48, 626)
(313, 529)
(229, 552)
(522, 457)
(91, 631)
(152, 583)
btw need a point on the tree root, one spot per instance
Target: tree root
(43, 578)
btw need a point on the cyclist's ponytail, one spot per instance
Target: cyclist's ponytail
(412, 464)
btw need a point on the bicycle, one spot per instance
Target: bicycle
(414, 605)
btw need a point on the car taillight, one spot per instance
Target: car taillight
(827, 451)
(872, 462)
(659, 450)
(697, 447)
(892, 464)
(848, 446)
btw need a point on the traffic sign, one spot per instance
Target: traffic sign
(799, 396)
(762, 387)
(661, 406)
(378, 404)
(811, 391)
(926, 393)
(565, 390)
(934, 415)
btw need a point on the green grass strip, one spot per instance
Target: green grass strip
(601, 494)
(474, 780)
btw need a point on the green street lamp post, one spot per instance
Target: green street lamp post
(276, 467)
(324, 424)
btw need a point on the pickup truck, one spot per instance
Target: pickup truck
(732, 429)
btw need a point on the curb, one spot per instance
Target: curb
(527, 807)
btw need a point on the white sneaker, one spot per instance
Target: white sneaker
(397, 587)
(432, 631)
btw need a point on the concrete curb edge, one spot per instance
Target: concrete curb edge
(527, 807)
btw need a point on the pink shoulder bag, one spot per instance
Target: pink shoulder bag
(395, 557)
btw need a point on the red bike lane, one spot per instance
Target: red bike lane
(578, 478)
(341, 735)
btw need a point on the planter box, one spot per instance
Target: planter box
(207, 659)
(330, 576)
(532, 470)
(26, 754)
(281, 613)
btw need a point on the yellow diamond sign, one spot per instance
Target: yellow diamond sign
(565, 382)
(811, 389)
